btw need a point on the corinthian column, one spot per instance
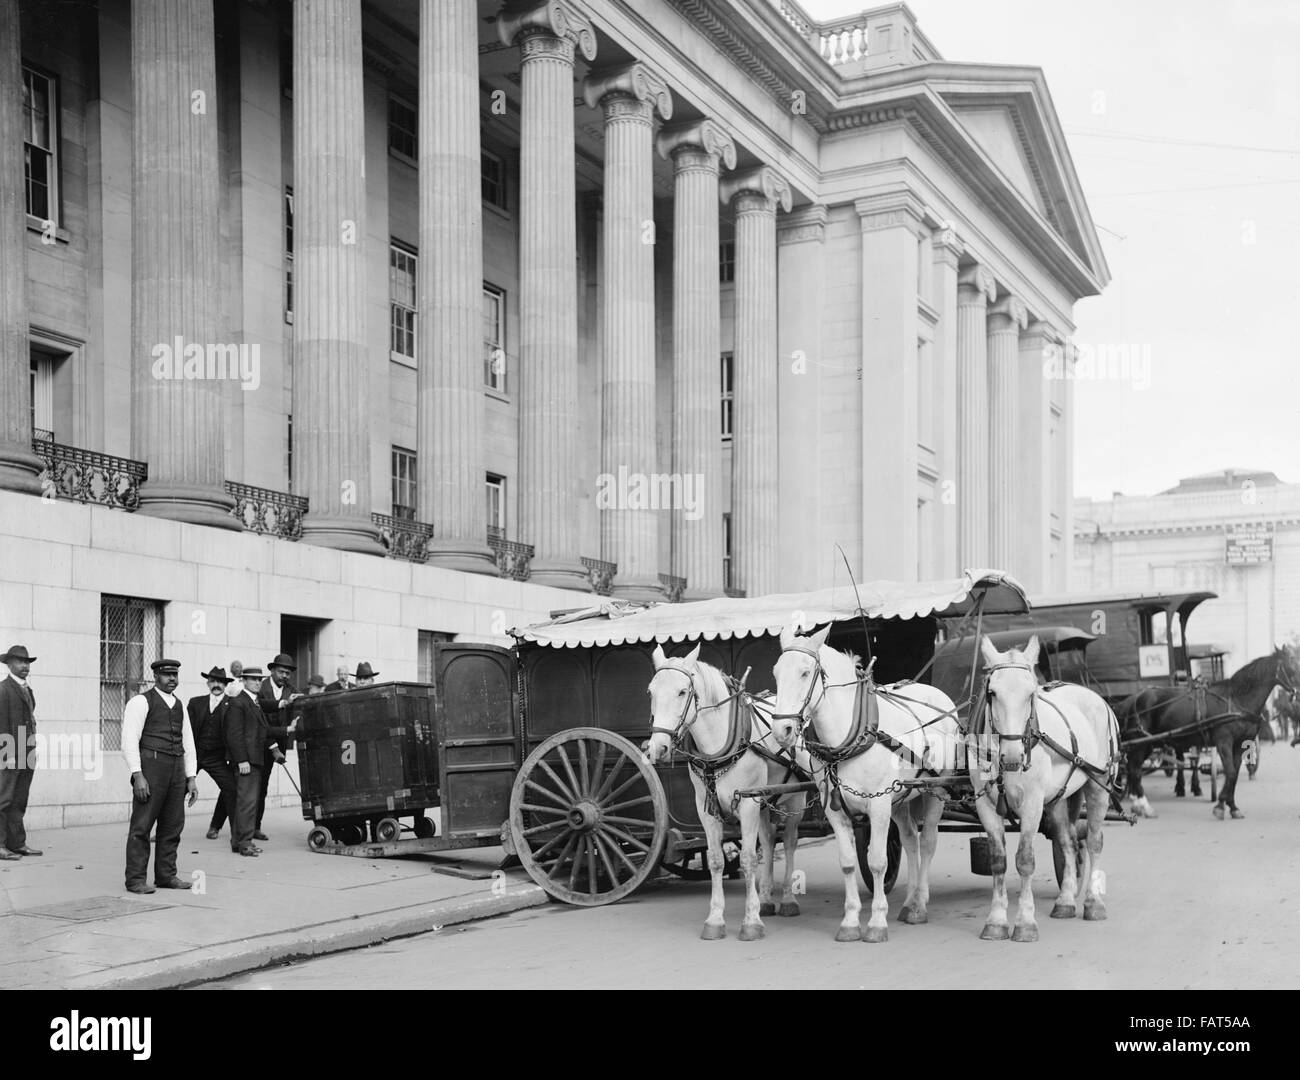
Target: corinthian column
(449, 403)
(1005, 321)
(975, 290)
(18, 465)
(548, 305)
(697, 151)
(629, 534)
(177, 426)
(331, 392)
(754, 197)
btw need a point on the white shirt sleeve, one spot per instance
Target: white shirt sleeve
(187, 744)
(132, 728)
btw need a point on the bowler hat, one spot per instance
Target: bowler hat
(364, 672)
(252, 673)
(164, 665)
(283, 660)
(218, 673)
(17, 652)
(316, 680)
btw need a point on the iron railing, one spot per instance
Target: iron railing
(514, 560)
(674, 586)
(88, 476)
(262, 510)
(600, 574)
(403, 538)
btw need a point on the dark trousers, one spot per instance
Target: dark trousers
(268, 763)
(166, 808)
(14, 786)
(223, 774)
(245, 819)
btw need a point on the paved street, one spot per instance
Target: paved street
(1194, 903)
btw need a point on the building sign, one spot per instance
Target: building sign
(1153, 661)
(1249, 545)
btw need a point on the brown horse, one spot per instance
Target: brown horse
(1162, 709)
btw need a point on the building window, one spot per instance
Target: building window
(494, 180)
(288, 454)
(428, 638)
(494, 338)
(726, 551)
(1055, 466)
(924, 395)
(402, 129)
(130, 639)
(728, 394)
(288, 254)
(404, 502)
(40, 144)
(496, 506)
(727, 261)
(401, 304)
(42, 387)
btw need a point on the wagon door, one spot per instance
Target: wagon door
(478, 740)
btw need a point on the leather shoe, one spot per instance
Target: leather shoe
(25, 850)
(175, 883)
(142, 889)
(250, 851)
(10, 856)
(259, 835)
(213, 833)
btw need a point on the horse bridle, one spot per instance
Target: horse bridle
(1284, 681)
(1030, 736)
(819, 674)
(684, 722)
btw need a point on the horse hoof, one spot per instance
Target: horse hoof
(766, 909)
(848, 933)
(713, 932)
(1064, 911)
(1025, 933)
(786, 910)
(1218, 813)
(876, 934)
(751, 932)
(995, 932)
(1236, 815)
(913, 917)
(1095, 912)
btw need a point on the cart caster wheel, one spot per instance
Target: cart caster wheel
(318, 838)
(387, 830)
(424, 828)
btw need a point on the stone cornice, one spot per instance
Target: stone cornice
(558, 18)
(980, 280)
(891, 209)
(1039, 333)
(705, 135)
(806, 223)
(1013, 309)
(1092, 531)
(635, 80)
(764, 181)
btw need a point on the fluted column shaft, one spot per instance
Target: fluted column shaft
(331, 392)
(1005, 321)
(18, 465)
(755, 472)
(975, 290)
(698, 152)
(177, 426)
(629, 529)
(449, 403)
(548, 303)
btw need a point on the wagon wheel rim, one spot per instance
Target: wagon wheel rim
(588, 816)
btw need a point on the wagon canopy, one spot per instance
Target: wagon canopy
(619, 622)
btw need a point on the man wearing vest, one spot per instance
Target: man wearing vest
(208, 723)
(158, 746)
(17, 736)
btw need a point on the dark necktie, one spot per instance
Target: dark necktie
(31, 698)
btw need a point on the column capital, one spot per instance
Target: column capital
(703, 136)
(1039, 333)
(947, 248)
(636, 81)
(556, 18)
(806, 223)
(977, 279)
(763, 181)
(1013, 310)
(891, 210)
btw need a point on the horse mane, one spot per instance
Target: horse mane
(1253, 673)
(715, 682)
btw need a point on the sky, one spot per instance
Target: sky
(1183, 122)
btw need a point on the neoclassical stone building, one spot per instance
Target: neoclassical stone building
(390, 321)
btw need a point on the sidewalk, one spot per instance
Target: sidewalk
(67, 922)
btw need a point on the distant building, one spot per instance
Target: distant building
(1234, 532)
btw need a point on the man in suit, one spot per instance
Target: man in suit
(274, 697)
(17, 736)
(246, 741)
(365, 677)
(208, 723)
(158, 746)
(341, 681)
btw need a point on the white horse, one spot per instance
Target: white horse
(1047, 751)
(689, 696)
(857, 770)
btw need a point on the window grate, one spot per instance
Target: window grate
(130, 639)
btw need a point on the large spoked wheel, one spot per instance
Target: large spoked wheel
(588, 816)
(893, 852)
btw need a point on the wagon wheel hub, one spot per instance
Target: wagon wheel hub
(584, 816)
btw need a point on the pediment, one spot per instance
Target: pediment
(1000, 133)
